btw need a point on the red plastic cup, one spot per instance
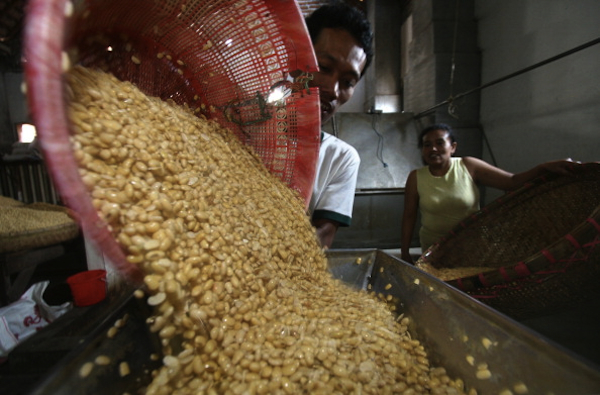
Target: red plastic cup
(88, 287)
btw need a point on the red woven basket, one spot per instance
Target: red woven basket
(221, 58)
(540, 243)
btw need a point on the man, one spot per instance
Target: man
(342, 40)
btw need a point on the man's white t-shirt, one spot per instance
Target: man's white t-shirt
(335, 181)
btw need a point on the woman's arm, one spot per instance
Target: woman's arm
(409, 218)
(491, 176)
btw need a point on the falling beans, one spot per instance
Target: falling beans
(241, 296)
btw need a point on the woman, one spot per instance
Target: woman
(446, 190)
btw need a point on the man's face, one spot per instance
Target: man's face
(341, 61)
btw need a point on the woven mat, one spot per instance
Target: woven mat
(28, 226)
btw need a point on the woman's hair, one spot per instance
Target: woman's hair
(437, 126)
(340, 15)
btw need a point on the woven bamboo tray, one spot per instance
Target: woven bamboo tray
(539, 246)
(35, 225)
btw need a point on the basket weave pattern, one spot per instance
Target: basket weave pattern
(30, 226)
(539, 242)
(220, 58)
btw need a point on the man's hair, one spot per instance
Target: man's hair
(437, 126)
(342, 16)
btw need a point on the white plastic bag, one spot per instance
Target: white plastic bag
(26, 316)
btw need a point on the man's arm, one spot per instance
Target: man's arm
(333, 196)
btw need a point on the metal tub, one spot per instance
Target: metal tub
(458, 332)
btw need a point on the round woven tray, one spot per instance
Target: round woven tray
(29, 226)
(538, 246)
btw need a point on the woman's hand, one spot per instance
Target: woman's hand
(563, 166)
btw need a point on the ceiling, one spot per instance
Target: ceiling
(12, 14)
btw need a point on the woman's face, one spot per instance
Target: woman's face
(437, 148)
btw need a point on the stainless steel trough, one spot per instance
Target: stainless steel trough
(458, 332)
(461, 333)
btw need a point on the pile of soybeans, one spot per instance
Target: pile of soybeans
(243, 301)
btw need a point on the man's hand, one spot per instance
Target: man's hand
(405, 256)
(326, 230)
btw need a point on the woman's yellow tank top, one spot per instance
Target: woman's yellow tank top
(445, 201)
